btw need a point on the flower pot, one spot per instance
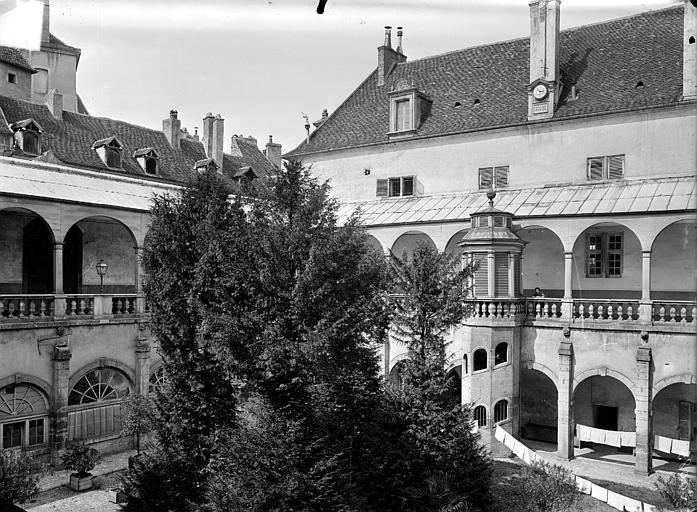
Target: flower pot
(80, 481)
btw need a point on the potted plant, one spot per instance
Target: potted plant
(137, 418)
(81, 459)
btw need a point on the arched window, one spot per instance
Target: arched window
(99, 385)
(501, 353)
(23, 416)
(480, 415)
(500, 411)
(464, 365)
(479, 360)
(156, 380)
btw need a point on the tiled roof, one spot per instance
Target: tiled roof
(608, 197)
(605, 61)
(55, 43)
(71, 140)
(14, 57)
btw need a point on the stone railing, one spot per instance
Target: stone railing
(679, 312)
(542, 307)
(33, 308)
(26, 307)
(605, 310)
(496, 308)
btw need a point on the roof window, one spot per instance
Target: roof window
(408, 108)
(12, 78)
(109, 150)
(207, 164)
(147, 158)
(27, 134)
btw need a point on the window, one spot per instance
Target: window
(501, 353)
(147, 158)
(12, 78)
(480, 415)
(113, 157)
(493, 177)
(36, 432)
(479, 360)
(27, 134)
(464, 364)
(481, 273)
(501, 411)
(99, 386)
(604, 255)
(605, 167)
(396, 187)
(156, 380)
(30, 141)
(23, 415)
(12, 434)
(150, 165)
(109, 150)
(403, 116)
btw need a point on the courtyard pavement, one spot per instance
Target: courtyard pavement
(89, 501)
(107, 464)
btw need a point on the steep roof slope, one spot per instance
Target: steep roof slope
(14, 57)
(70, 140)
(605, 61)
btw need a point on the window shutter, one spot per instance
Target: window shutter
(418, 187)
(501, 176)
(481, 275)
(381, 188)
(595, 168)
(501, 274)
(615, 167)
(485, 178)
(408, 186)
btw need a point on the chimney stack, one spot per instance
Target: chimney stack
(54, 101)
(689, 54)
(399, 40)
(273, 152)
(387, 57)
(172, 129)
(218, 141)
(46, 26)
(208, 134)
(545, 85)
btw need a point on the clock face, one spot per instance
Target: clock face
(540, 91)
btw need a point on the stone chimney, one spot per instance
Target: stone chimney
(545, 85)
(689, 54)
(387, 57)
(46, 25)
(399, 40)
(207, 135)
(54, 101)
(217, 140)
(172, 129)
(273, 152)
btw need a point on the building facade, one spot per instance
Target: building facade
(588, 137)
(75, 196)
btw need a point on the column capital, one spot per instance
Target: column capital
(643, 355)
(566, 348)
(58, 245)
(646, 254)
(568, 254)
(62, 353)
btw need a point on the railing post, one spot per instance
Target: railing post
(59, 305)
(567, 300)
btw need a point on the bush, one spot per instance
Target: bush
(679, 490)
(137, 417)
(547, 487)
(80, 458)
(19, 476)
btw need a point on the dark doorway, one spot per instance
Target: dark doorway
(72, 261)
(37, 258)
(605, 417)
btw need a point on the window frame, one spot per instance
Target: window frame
(384, 186)
(474, 360)
(11, 78)
(497, 411)
(481, 421)
(605, 169)
(496, 171)
(24, 426)
(406, 122)
(604, 252)
(496, 350)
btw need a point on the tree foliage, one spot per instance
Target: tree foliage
(19, 477)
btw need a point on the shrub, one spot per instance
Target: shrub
(679, 490)
(548, 487)
(137, 417)
(80, 458)
(19, 476)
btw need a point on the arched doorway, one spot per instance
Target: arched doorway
(538, 406)
(674, 418)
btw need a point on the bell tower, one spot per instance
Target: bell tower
(491, 334)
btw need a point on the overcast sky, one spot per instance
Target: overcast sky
(261, 63)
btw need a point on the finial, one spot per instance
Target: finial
(491, 194)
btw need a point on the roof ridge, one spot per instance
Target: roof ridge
(140, 126)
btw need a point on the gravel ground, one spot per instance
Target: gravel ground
(63, 499)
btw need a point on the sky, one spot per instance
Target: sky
(261, 64)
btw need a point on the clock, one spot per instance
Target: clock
(540, 91)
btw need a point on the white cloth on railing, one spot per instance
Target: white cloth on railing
(628, 439)
(608, 437)
(583, 432)
(680, 447)
(597, 435)
(612, 438)
(662, 444)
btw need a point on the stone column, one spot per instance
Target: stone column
(511, 274)
(386, 363)
(491, 273)
(58, 268)
(565, 422)
(643, 463)
(567, 301)
(142, 364)
(61, 376)
(645, 305)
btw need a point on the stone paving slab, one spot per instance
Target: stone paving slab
(107, 464)
(89, 501)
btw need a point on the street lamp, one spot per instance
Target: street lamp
(102, 267)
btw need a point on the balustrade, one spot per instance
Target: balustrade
(79, 305)
(679, 312)
(541, 307)
(606, 310)
(123, 305)
(496, 308)
(26, 307)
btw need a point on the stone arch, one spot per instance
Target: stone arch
(23, 378)
(407, 242)
(103, 362)
(626, 284)
(534, 365)
(605, 372)
(452, 246)
(23, 210)
(543, 261)
(602, 400)
(396, 359)
(684, 378)
(374, 243)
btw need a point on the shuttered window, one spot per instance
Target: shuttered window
(493, 177)
(381, 188)
(500, 177)
(95, 422)
(481, 275)
(605, 167)
(398, 187)
(403, 115)
(501, 274)
(486, 177)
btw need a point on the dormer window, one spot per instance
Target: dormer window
(109, 150)
(408, 107)
(403, 115)
(207, 164)
(147, 158)
(27, 135)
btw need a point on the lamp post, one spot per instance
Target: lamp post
(102, 267)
